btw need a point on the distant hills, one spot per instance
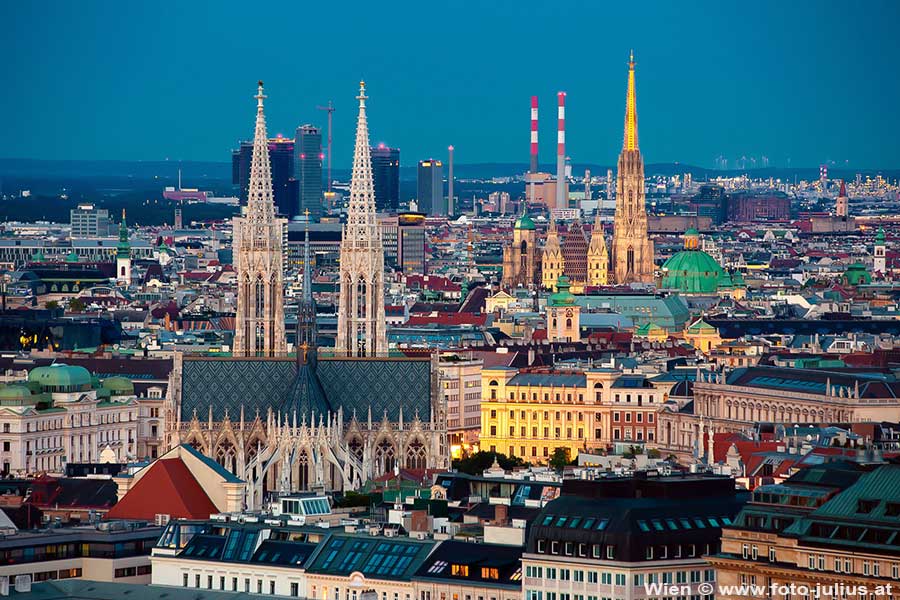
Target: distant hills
(194, 173)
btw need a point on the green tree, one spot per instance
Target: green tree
(653, 453)
(560, 458)
(477, 463)
(76, 305)
(51, 304)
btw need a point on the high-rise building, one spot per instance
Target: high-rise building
(281, 164)
(259, 321)
(308, 171)
(386, 177)
(632, 247)
(88, 221)
(281, 161)
(430, 186)
(361, 327)
(240, 169)
(411, 243)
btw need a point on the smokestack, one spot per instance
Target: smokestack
(561, 152)
(534, 135)
(450, 182)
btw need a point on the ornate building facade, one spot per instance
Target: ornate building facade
(736, 401)
(632, 246)
(361, 329)
(259, 322)
(581, 262)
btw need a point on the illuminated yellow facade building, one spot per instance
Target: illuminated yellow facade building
(531, 412)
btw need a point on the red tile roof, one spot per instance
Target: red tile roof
(447, 319)
(168, 488)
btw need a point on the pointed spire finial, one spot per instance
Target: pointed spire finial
(631, 134)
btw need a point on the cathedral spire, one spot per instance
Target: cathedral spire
(257, 246)
(361, 326)
(260, 201)
(632, 248)
(362, 186)
(631, 129)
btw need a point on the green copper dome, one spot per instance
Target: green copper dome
(525, 222)
(879, 237)
(14, 394)
(563, 297)
(119, 386)
(691, 272)
(72, 257)
(61, 378)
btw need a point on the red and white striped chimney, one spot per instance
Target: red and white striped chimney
(561, 152)
(534, 134)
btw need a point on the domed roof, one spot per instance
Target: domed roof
(563, 297)
(14, 393)
(119, 386)
(524, 222)
(857, 274)
(691, 272)
(879, 237)
(72, 257)
(61, 376)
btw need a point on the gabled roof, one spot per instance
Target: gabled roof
(168, 488)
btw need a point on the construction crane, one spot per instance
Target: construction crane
(330, 110)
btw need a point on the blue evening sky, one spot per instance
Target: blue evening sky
(140, 80)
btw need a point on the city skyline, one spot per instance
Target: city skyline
(715, 82)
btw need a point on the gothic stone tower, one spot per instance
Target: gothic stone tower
(361, 329)
(598, 256)
(632, 248)
(552, 262)
(519, 257)
(259, 323)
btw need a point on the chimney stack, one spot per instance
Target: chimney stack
(533, 167)
(501, 514)
(561, 152)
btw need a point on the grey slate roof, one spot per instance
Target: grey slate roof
(385, 384)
